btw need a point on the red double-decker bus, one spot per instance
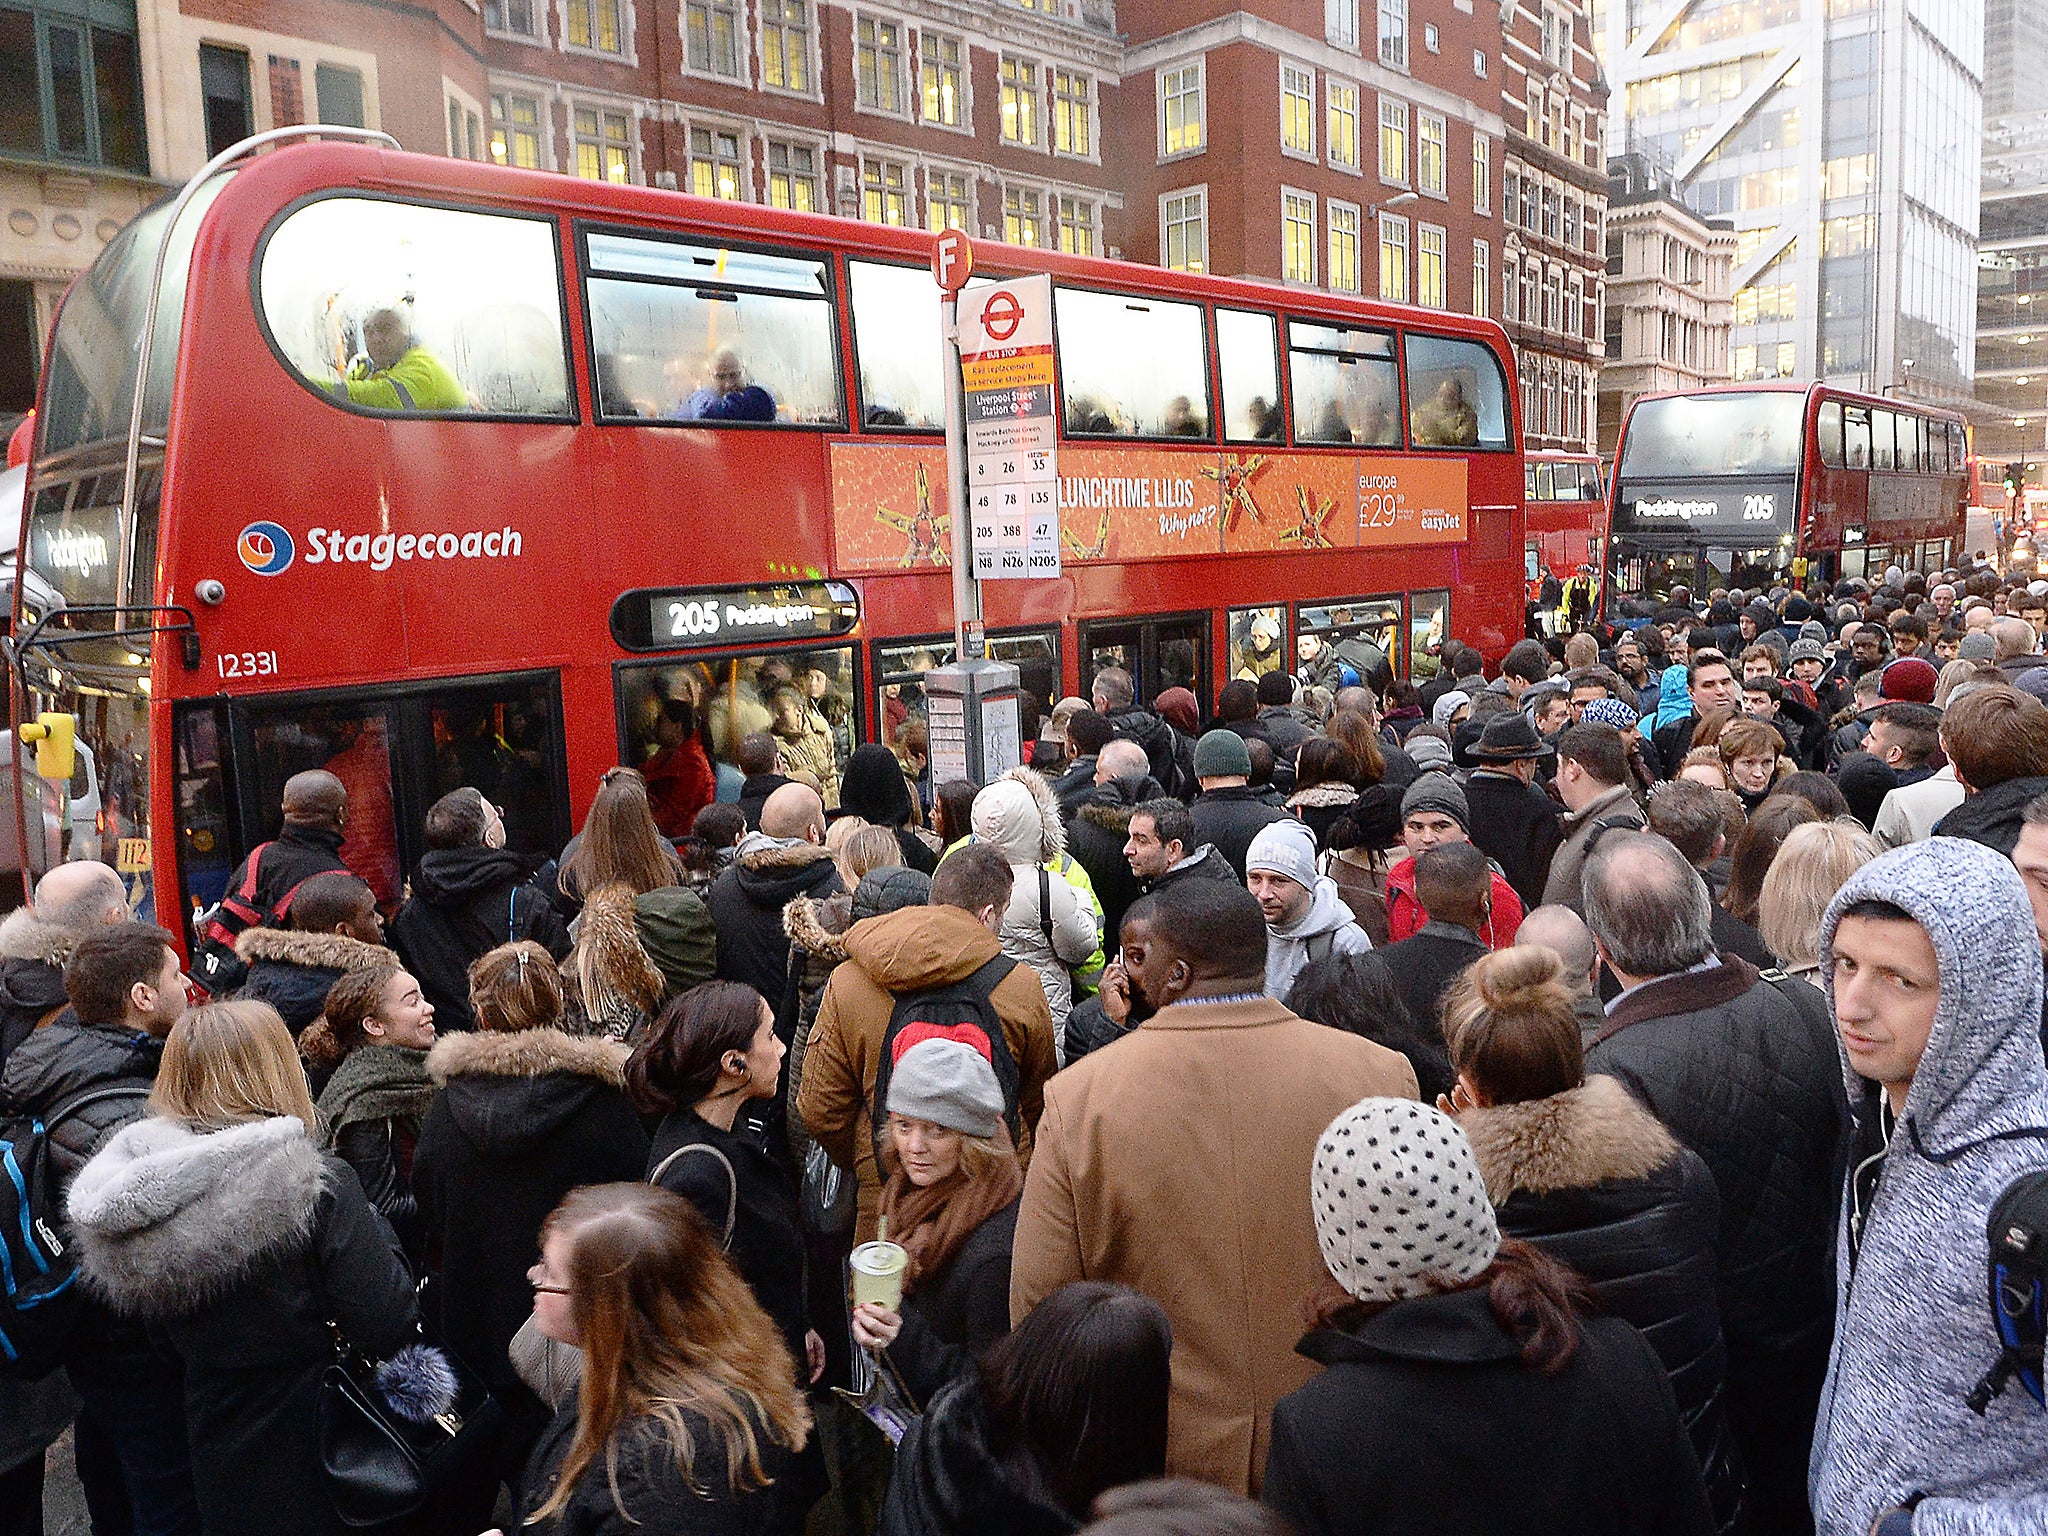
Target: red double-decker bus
(1754, 485)
(455, 474)
(1564, 524)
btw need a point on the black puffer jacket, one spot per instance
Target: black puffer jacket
(1745, 1072)
(1231, 818)
(950, 1482)
(746, 903)
(1517, 826)
(1591, 1177)
(1089, 1029)
(465, 902)
(1096, 835)
(951, 1317)
(32, 957)
(1992, 816)
(1156, 736)
(293, 971)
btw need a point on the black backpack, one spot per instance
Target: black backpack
(39, 1302)
(2018, 1281)
(964, 1010)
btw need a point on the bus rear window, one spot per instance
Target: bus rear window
(1131, 367)
(708, 334)
(1346, 385)
(1737, 433)
(399, 308)
(901, 384)
(1457, 395)
(1828, 425)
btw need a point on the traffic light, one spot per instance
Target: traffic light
(2015, 478)
(53, 733)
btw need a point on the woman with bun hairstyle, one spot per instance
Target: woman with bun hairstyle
(372, 1107)
(688, 1412)
(951, 1201)
(218, 1221)
(1576, 1166)
(1464, 1388)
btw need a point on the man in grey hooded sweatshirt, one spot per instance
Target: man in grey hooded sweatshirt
(1306, 919)
(1933, 975)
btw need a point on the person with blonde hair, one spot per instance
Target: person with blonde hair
(1815, 861)
(526, 1112)
(217, 1219)
(687, 1413)
(861, 847)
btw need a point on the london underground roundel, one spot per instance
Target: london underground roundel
(266, 548)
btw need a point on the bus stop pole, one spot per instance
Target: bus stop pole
(966, 590)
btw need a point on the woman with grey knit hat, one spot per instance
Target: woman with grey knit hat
(1464, 1388)
(951, 1200)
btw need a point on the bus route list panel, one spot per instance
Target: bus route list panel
(1006, 373)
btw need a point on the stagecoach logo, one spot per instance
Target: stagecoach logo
(266, 548)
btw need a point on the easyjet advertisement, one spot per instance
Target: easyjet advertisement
(1120, 504)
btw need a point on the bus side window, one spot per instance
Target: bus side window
(711, 334)
(1546, 481)
(1345, 386)
(1829, 426)
(401, 308)
(1883, 429)
(1856, 428)
(1251, 376)
(1131, 367)
(1457, 395)
(900, 381)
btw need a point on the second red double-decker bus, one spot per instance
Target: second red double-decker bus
(455, 474)
(1564, 525)
(1750, 486)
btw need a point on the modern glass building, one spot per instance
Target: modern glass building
(2012, 255)
(1842, 138)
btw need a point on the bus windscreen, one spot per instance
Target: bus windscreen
(1719, 434)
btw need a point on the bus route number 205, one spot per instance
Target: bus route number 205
(247, 663)
(1759, 509)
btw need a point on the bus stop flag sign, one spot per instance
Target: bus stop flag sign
(1006, 371)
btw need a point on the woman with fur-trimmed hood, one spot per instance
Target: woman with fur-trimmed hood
(526, 1112)
(1049, 925)
(1576, 1166)
(217, 1220)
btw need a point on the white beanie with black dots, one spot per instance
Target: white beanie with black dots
(1398, 1197)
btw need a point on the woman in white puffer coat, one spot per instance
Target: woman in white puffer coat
(1018, 816)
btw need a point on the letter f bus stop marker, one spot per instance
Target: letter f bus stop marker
(1001, 492)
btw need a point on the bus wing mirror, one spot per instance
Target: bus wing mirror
(55, 736)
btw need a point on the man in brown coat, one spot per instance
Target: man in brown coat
(1177, 1162)
(914, 950)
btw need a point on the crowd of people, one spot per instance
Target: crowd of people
(1571, 1099)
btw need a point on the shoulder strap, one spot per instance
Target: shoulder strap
(732, 1179)
(1320, 944)
(251, 870)
(92, 1096)
(1045, 906)
(398, 388)
(983, 981)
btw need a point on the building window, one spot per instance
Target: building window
(711, 30)
(884, 191)
(792, 176)
(878, 64)
(1482, 173)
(1076, 219)
(594, 24)
(1297, 109)
(1297, 236)
(1574, 303)
(1431, 38)
(338, 94)
(946, 200)
(1431, 285)
(715, 169)
(938, 58)
(1479, 63)
(1342, 102)
(1019, 78)
(518, 18)
(1340, 23)
(1553, 300)
(604, 144)
(1394, 141)
(1343, 247)
(1550, 202)
(1482, 277)
(1073, 129)
(1394, 258)
(1431, 137)
(786, 44)
(1532, 310)
(1394, 33)
(1183, 232)
(223, 85)
(1557, 37)
(515, 130)
(1180, 109)
(1023, 216)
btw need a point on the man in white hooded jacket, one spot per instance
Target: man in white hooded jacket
(1933, 973)
(1306, 919)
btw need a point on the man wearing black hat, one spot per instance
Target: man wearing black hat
(1513, 822)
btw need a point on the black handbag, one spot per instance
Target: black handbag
(382, 1465)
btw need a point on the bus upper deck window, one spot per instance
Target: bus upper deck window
(402, 308)
(1829, 426)
(896, 338)
(1883, 429)
(1546, 481)
(1856, 435)
(708, 334)
(1251, 376)
(1131, 367)
(1346, 385)
(1457, 395)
